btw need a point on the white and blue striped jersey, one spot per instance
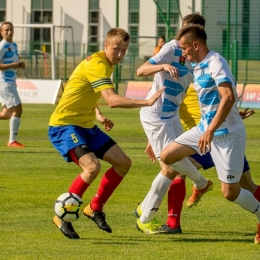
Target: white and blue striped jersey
(8, 54)
(208, 74)
(168, 104)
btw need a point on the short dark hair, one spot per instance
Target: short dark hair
(120, 33)
(195, 18)
(162, 37)
(192, 32)
(4, 23)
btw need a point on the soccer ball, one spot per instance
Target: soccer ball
(68, 206)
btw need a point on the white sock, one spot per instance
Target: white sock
(154, 197)
(14, 128)
(201, 183)
(185, 167)
(247, 201)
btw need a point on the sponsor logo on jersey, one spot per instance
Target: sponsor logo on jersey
(182, 60)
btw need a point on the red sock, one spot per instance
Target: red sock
(108, 184)
(257, 193)
(78, 186)
(176, 196)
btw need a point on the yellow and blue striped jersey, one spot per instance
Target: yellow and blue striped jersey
(81, 94)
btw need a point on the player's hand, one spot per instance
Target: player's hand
(205, 142)
(155, 97)
(107, 123)
(150, 153)
(21, 64)
(172, 71)
(245, 114)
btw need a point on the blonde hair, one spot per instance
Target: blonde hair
(120, 33)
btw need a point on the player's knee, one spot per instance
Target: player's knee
(165, 157)
(230, 197)
(127, 164)
(123, 168)
(92, 168)
(230, 191)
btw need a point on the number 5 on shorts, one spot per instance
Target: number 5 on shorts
(74, 138)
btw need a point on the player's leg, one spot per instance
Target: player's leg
(176, 155)
(14, 125)
(205, 162)
(159, 136)
(147, 222)
(177, 192)
(229, 164)
(176, 196)
(86, 159)
(121, 164)
(6, 113)
(66, 139)
(12, 109)
(247, 183)
(71, 142)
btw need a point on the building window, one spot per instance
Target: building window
(245, 29)
(41, 13)
(168, 9)
(93, 22)
(133, 20)
(2, 10)
(2, 13)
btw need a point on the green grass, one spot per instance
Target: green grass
(32, 178)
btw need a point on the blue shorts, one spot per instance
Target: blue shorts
(65, 138)
(207, 162)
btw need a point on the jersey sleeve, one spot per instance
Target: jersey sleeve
(220, 71)
(99, 76)
(2, 52)
(164, 56)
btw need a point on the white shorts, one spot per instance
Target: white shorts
(161, 133)
(227, 152)
(9, 95)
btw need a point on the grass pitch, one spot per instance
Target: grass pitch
(32, 178)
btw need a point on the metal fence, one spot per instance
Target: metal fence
(232, 27)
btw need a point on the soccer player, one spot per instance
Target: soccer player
(190, 116)
(221, 130)
(160, 43)
(73, 132)
(161, 124)
(11, 102)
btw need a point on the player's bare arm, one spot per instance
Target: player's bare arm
(13, 65)
(225, 105)
(148, 69)
(114, 100)
(107, 123)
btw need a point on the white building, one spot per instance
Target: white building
(91, 19)
(81, 26)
